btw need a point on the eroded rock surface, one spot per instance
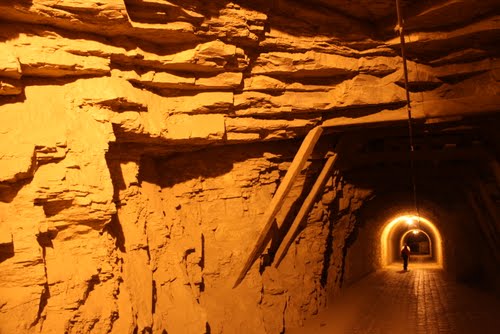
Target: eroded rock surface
(115, 217)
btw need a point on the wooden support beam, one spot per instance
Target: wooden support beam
(305, 209)
(272, 210)
(448, 110)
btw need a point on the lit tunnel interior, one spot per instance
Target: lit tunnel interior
(419, 242)
(421, 235)
(449, 237)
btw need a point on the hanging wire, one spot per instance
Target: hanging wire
(400, 29)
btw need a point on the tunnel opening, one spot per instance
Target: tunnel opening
(418, 241)
(419, 233)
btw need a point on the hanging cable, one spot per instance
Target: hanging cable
(400, 29)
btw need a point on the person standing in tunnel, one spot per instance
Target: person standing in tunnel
(405, 254)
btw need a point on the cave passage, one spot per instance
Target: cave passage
(418, 241)
(419, 233)
(439, 292)
(425, 299)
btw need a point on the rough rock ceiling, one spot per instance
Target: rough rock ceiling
(249, 70)
(383, 10)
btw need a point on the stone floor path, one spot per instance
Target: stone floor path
(423, 300)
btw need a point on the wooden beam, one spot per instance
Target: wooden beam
(305, 208)
(272, 210)
(448, 110)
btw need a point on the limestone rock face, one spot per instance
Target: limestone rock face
(142, 140)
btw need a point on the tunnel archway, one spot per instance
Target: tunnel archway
(462, 250)
(396, 230)
(419, 241)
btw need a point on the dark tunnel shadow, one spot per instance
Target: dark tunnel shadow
(115, 230)
(9, 99)
(6, 251)
(9, 191)
(215, 161)
(114, 227)
(334, 206)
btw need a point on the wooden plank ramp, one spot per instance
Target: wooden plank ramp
(305, 209)
(296, 166)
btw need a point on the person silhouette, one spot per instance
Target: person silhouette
(405, 254)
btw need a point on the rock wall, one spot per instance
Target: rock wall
(187, 223)
(111, 218)
(166, 257)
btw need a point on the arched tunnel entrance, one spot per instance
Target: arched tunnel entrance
(419, 233)
(448, 235)
(418, 241)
